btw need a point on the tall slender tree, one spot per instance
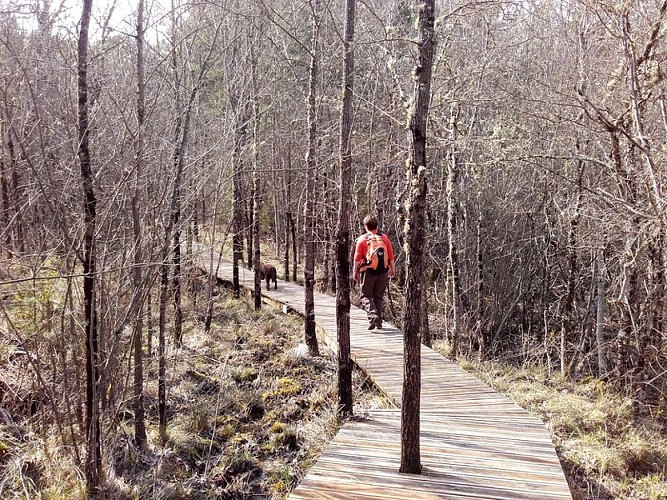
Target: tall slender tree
(256, 199)
(93, 440)
(343, 227)
(311, 163)
(414, 242)
(139, 424)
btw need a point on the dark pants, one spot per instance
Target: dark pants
(373, 287)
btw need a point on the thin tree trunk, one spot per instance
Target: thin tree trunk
(18, 219)
(150, 327)
(139, 424)
(480, 282)
(295, 253)
(93, 468)
(599, 326)
(425, 329)
(309, 267)
(452, 232)
(248, 223)
(412, 310)
(180, 133)
(162, 360)
(255, 181)
(568, 307)
(237, 238)
(4, 194)
(345, 397)
(288, 216)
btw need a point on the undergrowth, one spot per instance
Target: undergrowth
(249, 412)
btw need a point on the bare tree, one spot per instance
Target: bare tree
(343, 228)
(256, 195)
(412, 309)
(311, 160)
(139, 424)
(94, 473)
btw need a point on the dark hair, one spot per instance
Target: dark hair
(371, 222)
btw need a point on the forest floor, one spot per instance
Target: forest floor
(249, 412)
(607, 451)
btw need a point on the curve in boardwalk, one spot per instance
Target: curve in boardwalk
(475, 442)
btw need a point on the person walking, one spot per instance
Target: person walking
(373, 266)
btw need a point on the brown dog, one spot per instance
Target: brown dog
(268, 272)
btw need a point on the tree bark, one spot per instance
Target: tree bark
(4, 195)
(599, 325)
(345, 398)
(139, 424)
(414, 242)
(309, 267)
(93, 466)
(568, 306)
(256, 200)
(237, 238)
(452, 233)
(479, 279)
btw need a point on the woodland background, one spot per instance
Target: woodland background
(545, 232)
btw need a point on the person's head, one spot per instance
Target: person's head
(371, 223)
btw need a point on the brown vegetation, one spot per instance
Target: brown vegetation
(249, 411)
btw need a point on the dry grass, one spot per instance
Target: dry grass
(249, 412)
(606, 452)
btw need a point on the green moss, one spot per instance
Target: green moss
(224, 432)
(246, 375)
(288, 387)
(239, 461)
(278, 427)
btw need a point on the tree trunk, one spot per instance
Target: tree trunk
(309, 267)
(288, 217)
(150, 327)
(180, 134)
(412, 309)
(425, 329)
(139, 424)
(479, 255)
(4, 198)
(93, 467)
(248, 223)
(288, 214)
(345, 397)
(237, 238)
(161, 347)
(452, 232)
(568, 306)
(600, 303)
(295, 250)
(255, 182)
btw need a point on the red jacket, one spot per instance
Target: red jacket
(362, 247)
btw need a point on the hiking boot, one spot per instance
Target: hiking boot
(371, 326)
(378, 324)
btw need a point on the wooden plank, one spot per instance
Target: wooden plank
(475, 442)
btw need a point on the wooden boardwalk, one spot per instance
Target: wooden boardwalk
(475, 442)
